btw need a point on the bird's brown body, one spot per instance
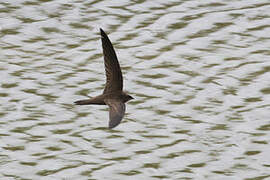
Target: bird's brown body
(100, 100)
(113, 94)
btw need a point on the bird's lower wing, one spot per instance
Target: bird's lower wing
(117, 112)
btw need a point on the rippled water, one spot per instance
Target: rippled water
(199, 72)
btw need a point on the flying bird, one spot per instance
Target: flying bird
(113, 94)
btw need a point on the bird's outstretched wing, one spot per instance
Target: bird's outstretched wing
(117, 112)
(114, 79)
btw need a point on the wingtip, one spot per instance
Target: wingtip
(113, 125)
(102, 33)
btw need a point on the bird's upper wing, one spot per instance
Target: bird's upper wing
(117, 111)
(114, 79)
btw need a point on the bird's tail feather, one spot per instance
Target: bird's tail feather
(82, 102)
(98, 100)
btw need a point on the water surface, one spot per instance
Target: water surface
(199, 72)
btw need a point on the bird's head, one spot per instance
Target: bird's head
(130, 97)
(127, 97)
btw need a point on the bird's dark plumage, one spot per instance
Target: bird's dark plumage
(117, 111)
(113, 94)
(114, 77)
